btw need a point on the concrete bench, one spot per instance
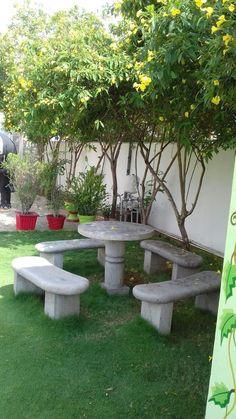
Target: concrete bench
(62, 289)
(156, 252)
(158, 298)
(53, 250)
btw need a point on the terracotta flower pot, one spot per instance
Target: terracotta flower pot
(26, 221)
(55, 223)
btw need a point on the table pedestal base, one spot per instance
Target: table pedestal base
(118, 291)
(114, 268)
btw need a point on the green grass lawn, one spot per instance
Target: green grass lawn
(108, 363)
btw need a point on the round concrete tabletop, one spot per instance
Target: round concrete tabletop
(115, 231)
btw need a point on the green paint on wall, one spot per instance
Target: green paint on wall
(221, 400)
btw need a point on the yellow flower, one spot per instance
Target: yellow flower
(220, 21)
(231, 7)
(209, 11)
(165, 14)
(138, 65)
(199, 3)
(144, 82)
(214, 29)
(25, 84)
(192, 107)
(215, 100)
(139, 12)
(224, 1)
(175, 12)
(227, 38)
(216, 82)
(151, 55)
(118, 5)
(129, 65)
(142, 87)
(113, 46)
(161, 118)
(186, 114)
(145, 79)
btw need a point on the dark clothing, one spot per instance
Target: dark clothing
(5, 191)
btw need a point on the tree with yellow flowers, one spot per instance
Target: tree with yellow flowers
(184, 64)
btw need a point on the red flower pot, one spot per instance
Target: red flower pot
(55, 223)
(26, 221)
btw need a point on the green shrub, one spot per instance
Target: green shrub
(88, 191)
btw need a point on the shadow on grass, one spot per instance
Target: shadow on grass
(105, 362)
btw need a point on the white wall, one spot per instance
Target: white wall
(206, 227)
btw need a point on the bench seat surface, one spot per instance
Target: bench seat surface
(48, 277)
(66, 245)
(175, 254)
(168, 291)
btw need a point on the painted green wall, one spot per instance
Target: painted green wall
(221, 401)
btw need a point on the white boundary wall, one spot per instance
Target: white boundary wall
(207, 225)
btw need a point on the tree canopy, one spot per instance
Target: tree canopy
(184, 61)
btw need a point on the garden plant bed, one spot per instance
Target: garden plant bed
(108, 359)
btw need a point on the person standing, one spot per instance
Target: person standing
(5, 190)
(7, 146)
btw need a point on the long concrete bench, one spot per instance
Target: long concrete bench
(157, 252)
(62, 289)
(158, 298)
(53, 251)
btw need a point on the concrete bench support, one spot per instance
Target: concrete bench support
(58, 306)
(157, 252)
(54, 251)
(158, 315)
(23, 286)
(158, 298)
(153, 263)
(62, 289)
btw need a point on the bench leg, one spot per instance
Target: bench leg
(153, 263)
(54, 258)
(23, 286)
(59, 306)
(208, 302)
(101, 256)
(159, 315)
(181, 272)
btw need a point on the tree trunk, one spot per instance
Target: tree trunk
(184, 234)
(114, 190)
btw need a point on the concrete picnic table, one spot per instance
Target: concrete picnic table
(114, 234)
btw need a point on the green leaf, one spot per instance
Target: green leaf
(220, 395)
(150, 9)
(229, 279)
(228, 323)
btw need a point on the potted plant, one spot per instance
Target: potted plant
(53, 193)
(24, 173)
(89, 193)
(71, 206)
